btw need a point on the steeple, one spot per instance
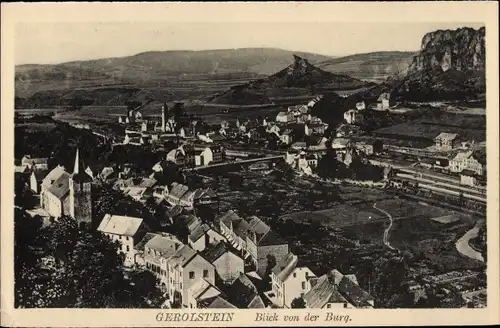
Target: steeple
(76, 166)
(79, 174)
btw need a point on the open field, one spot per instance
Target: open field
(429, 125)
(364, 213)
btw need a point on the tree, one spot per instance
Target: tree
(298, 303)
(89, 274)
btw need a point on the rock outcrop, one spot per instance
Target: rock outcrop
(449, 66)
(462, 50)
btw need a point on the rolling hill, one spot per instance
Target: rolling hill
(373, 66)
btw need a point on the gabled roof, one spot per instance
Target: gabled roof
(258, 226)
(468, 172)
(355, 294)
(446, 136)
(190, 221)
(135, 191)
(271, 239)
(177, 190)
(285, 267)
(33, 161)
(20, 168)
(60, 187)
(183, 256)
(214, 253)
(106, 172)
(165, 244)
(219, 303)
(120, 225)
(142, 243)
(245, 294)
(463, 155)
(52, 176)
(202, 290)
(228, 217)
(40, 174)
(240, 228)
(198, 232)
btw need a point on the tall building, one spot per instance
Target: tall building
(80, 196)
(164, 110)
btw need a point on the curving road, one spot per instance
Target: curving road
(386, 232)
(463, 245)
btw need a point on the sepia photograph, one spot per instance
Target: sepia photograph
(230, 165)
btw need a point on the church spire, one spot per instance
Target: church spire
(77, 163)
(79, 173)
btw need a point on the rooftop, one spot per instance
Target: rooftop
(120, 225)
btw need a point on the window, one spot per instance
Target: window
(303, 285)
(126, 238)
(180, 285)
(205, 273)
(170, 279)
(120, 237)
(191, 274)
(295, 274)
(345, 305)
(128, 248)
(328, 306)
(307, 274)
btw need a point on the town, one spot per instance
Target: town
(160, 205)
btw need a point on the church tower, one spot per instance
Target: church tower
(164, 110)
(80, 194)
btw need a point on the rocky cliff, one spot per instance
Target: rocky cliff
(450, 65)
(462, 50)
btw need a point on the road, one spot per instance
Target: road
(386, 232)
(463, 245)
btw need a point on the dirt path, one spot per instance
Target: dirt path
(386, 232)
(463, 245)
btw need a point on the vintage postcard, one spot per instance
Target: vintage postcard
(249, 164)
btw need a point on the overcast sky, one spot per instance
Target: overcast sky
(50, 43)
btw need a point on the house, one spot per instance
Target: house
(209, 155)
(36, 179)
(54, 192)
(289, 281)
(383, 101)
(315, 128)
(335, 290)
(262, 243)
(244, 294)
(274, 128)
(138, 193)
(304, 118)
(35, 163)
(234, 228)
(89, 171)
(341, 144)
(360, 105)
(472, 160)
(185, 267)
(299, 145)
(203, 236)
(257, 134)
(347, 157)
(227, 263)
(468, 178)
(201, 291)
(369, 147)
(183, 155)
(127, 230)
(284, 117)
(312, 160)
(21, 169)
(157, 250)
(216, 303)
(446, 141)
(287, 137)
(350, 116)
